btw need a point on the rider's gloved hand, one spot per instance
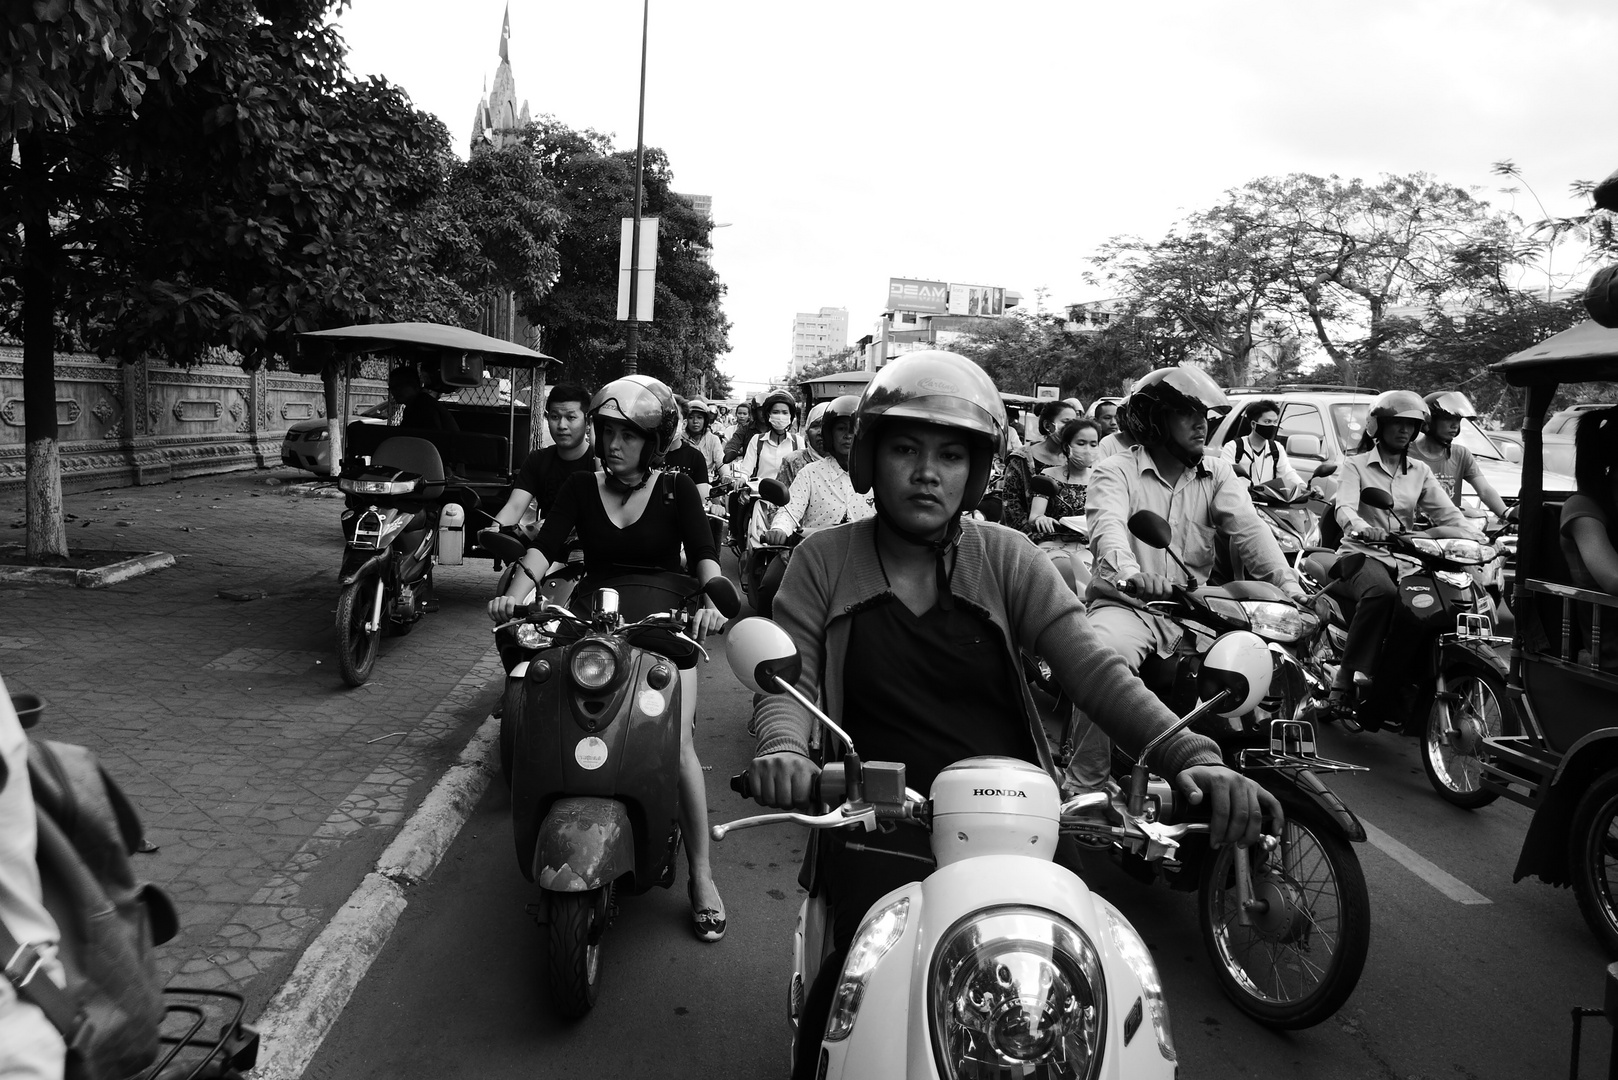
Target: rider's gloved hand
(1151, 586)
(500, 608)
(783, 780)
(775, 537)
(1238, 806)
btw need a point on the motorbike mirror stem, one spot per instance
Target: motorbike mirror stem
(851, 757)
(1139, 773)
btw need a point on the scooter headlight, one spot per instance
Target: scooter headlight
(1273, 621)
(877, 934)
(533, 636)
(1466, 551)
(1018, 993)
(593, 665)
(1130, 946)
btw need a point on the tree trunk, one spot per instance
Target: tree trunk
(47, 534)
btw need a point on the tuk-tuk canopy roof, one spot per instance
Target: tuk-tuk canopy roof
(370, 337)
(1584, 353)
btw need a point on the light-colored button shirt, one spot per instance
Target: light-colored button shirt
(1265, 461)
(1413, 487)
(822, 496)
(1204, 501)
(764, 455)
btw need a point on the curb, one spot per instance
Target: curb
(306, 1007)
(98, 578)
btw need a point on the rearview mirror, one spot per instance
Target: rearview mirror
(1511, 450)
(1326, 469)
(762, 656)
(722, 591)
(773, 492)
(1303, 446)
(1376, 498)
(503, 546)
(1151, 529)
(1243, 471)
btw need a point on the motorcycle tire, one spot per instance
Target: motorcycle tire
(1481, 697)
(1313, 867)
(510, 716)
(1594, 858)
(356, 649)
(577, 920)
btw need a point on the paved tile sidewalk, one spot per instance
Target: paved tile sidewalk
(268, 785)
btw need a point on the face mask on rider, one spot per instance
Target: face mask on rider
(1085, 456)
(1268, 432)
(778, 422)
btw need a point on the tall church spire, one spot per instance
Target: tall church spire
(505, 35)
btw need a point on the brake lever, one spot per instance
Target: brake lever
(865, 816)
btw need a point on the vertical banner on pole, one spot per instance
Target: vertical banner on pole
(646, 287)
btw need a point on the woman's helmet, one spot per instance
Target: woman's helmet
(698, 407)
(1449, 403)
(814, 416)
(935, 388)
(1395, 405)
(839, 409)
(1145, 413)
(774, 398)
(643, 403)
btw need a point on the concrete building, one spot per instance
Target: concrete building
(702, 204)
(818, 335)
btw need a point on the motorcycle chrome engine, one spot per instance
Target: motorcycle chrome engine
(994, 806)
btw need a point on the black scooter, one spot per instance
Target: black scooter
(401, 517)
(595, 761)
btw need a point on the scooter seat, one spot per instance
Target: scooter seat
(1318, 563)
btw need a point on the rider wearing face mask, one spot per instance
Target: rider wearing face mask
(1061, 492)
(908, 627)
(1261, 452)
(1451, 463)
(1166, 472)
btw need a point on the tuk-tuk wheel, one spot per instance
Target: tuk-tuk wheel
(1594, 858)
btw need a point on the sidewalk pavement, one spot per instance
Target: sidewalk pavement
(269, 787)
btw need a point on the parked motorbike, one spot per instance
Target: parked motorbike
(595, 763)
(1296, 962)
(1000, 962)
(405, 519)
(1438, 675)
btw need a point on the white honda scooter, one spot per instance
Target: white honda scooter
(1000, 963)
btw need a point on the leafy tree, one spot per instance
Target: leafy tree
(1209, 282)
(836, 363)
(1022, 350)
(579, 314)
(1348, 251)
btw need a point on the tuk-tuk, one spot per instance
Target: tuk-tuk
(419, 494)
(1564, 764)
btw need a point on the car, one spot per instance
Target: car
(307, 444)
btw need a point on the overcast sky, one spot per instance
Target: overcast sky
(847, 141)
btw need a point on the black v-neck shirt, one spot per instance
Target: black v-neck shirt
(929, 690)
(673, 516)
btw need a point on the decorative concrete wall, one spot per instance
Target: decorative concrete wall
(145, 423)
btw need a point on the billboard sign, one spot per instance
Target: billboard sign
(980, 300)
(646, 287)
(1047, 392)
(927, 297)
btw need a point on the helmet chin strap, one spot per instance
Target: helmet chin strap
(940, 548)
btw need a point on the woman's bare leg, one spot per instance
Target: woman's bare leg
(694, 800)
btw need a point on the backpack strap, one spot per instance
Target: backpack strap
(25, 971)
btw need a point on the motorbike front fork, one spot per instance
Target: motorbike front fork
(375, 624)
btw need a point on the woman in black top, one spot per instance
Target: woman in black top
(633, 518)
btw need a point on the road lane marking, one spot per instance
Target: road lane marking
(1446, 883)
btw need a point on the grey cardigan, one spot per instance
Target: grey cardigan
(1002, 577)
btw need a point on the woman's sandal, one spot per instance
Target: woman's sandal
(707, 923)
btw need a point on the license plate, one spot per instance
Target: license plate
(1295, 738)
(1473, 626)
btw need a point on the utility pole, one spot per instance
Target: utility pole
(632, 339)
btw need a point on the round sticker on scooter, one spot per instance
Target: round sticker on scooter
(1422, 600)
(591, 753)
(650, 702)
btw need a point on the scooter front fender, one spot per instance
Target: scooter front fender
(898, 992)
(584, 843)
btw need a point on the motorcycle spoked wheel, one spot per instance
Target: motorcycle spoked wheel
(1481, 709)
(356, 649)
(1301, 959)
(577, 921)
(1594, 859)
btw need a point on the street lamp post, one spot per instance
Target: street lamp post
(632, 339)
